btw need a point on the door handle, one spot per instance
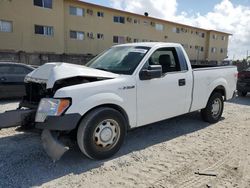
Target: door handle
(182, 82)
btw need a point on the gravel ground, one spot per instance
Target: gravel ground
(165, 154)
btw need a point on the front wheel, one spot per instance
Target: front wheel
(101, 133)
(214, 109)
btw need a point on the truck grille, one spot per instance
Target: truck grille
(34, 92)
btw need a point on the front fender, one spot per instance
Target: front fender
(83, 106)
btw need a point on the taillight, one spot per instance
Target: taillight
(236, 75)
(241, 75)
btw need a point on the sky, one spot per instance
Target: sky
(232, 16)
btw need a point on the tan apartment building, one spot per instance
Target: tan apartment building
(74, 27)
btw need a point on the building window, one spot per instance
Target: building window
(214, 36)
(118, 39)
(176, 30)
(221, 50)
(100, 36)
(119, 19)
(100, 14)
(5, 26)
(44, 30)
(202, 48)
(184, 30)
(136, 21)
(203, 35)
(213, 50)
(76, 11)
(136, 40)
(223, 38)
(43, 3)
(78, 35)
(159, 27)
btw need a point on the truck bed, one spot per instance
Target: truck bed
(207, 66)
(206, 78)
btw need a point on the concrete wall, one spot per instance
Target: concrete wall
(39, 59)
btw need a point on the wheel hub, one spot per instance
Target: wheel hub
(106, 133)
(216, 107)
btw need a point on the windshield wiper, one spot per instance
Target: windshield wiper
(103, 69)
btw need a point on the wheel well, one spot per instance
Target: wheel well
(116, 107)
(221, 90)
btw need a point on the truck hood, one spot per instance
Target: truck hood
(51, 72)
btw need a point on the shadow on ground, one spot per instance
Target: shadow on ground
(3, 102)
(241, 100)
(23, 162)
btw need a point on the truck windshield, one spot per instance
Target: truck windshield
(119, 60)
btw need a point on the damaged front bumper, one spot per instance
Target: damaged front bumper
(52, 128)
(52, 146)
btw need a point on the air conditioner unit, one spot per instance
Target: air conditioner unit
(90, 35)
(129, 39)
(129, 19)
(90, 12)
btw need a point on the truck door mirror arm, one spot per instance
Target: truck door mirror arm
(153, 71)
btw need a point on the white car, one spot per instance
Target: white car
(127, 86)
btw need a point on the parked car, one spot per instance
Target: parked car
(12, 79)
(243, 84)
(127, 86)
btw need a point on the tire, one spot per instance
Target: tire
(214, 109)
(242, 93)
(101, 133)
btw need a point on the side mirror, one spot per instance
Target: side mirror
(153, 71)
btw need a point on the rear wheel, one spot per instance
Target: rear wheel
(214, 109)
(242, 93)
(101, 133)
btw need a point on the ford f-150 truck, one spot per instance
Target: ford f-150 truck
(127, 86)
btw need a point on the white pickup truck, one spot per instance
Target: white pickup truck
(127, 86)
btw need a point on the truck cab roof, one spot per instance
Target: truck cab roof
(151, 44)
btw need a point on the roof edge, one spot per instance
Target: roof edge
(142, 16)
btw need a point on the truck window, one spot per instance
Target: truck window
(119, 60)
(167, 58)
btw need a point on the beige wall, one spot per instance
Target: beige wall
(219, 44)
(25, 15)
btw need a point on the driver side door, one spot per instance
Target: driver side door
(164, 97)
